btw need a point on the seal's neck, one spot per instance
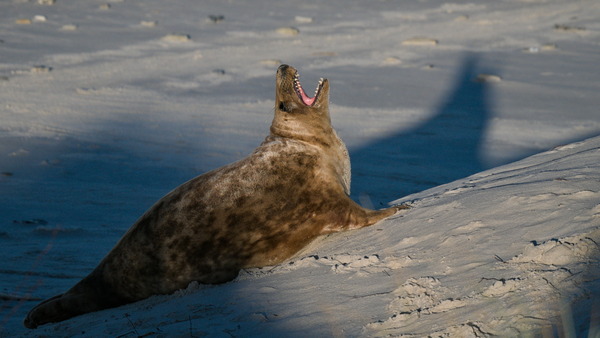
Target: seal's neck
(323, 136)
(333, 148)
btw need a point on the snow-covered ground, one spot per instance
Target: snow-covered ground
(106, 106)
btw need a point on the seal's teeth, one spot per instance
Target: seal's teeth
(321, 80)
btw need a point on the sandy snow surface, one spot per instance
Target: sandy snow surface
(105, 106)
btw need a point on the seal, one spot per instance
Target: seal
(256, 212)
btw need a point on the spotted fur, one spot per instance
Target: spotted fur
(255, 212)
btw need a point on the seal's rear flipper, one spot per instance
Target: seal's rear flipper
(61, 307)
(45, 312)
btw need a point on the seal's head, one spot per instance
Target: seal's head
(296, 114)
(291, 96)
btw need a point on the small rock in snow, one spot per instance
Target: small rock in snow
(303, 19)
(392, 60)
(532, 49)
(47, 2)
(40, 18)
(216, 18)
(69, 27)
(41, 69)
(568, 29)
(543, 48)
(488, 78)
(289, 31)
(420, 41)
(177, 37)
(148, 23)
(549, 46)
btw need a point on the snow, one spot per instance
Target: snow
(482, 115)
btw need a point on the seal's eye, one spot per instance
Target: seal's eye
(283, 107)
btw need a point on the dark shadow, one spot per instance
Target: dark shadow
(447, 148)
(584, 306)
(443, 149)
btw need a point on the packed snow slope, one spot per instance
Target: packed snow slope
(107, 106)
(512, 251)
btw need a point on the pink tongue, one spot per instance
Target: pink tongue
(307, 100)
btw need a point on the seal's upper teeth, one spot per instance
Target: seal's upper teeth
(319, 85)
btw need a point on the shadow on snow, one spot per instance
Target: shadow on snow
(439, 151)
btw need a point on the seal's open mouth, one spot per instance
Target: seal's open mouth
(309, 101)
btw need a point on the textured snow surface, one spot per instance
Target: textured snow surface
(105, 106)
